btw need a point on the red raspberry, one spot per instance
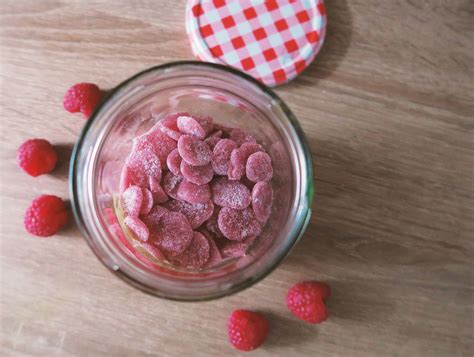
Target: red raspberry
(306, 301)
(82, 97)
(45, 216)
(36, 157)
(247, 330)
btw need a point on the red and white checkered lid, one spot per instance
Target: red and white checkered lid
(272, 40)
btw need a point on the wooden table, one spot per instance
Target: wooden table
(387, 108)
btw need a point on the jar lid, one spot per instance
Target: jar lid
(271, 40)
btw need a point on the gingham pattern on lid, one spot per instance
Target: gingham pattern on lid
(272, 40)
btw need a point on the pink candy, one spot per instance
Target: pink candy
(215, 179)
(138, 228)
(189, 125)
(173, 161)
(171, 184)
(192, 193)
(199, 175)
(259, 167)
(132, 199)
(262, 199)
(196, 214)
(194, 151)
(147, 201)
(174, 233)
(197, 253)
(169, 125)
(238, 224)
(238, 159)
(221, 156)
(231, 194)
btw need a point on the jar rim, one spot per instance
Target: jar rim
(307, 191)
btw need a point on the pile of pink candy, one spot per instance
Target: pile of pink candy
(195, 192)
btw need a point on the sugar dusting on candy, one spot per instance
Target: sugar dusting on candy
(227, 193)
(192, 193)
(210, 186)
(196, 214)
(262, 200)
(171, 184)
(137, 227)
(199, 175)
(169, 125)
(132, 199)
(190, 126)
(197, 253)
(221, 155)
(238, 224)
(174, 233)
(259, 167)
(194, 151)
(238, 159)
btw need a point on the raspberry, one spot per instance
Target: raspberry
(82, 97)
(306, 301)
(36, 157)
(46, 215)
(247, 330)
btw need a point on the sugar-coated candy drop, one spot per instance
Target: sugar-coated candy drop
(238, 159)
(132, 199)
(159, 194)
(162, 144)
(211, 223)
(259, 167)
(199, 175)
(125, 179)
(237, 249)
(240, 136)
(262, 199)
(197, 253)
(206, 123)
(189, 125)
(238, 224)
(147, 201)
(221, 155)
(143, 163)
(171, 184)
(196, 214)
(152, 219)
(173, 161)
(137, 227)
(192, 193)
(169, 125)
(215, 256)
(227, 193)
(194, 151)
(174, 233)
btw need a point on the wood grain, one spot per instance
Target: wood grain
(387, 108)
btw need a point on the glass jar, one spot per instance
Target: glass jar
(232, 98)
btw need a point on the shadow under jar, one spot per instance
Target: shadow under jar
(231, 98)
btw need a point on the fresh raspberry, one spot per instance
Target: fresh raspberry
(45, 216)
(306, 301)
(247, 330)
(82, 97)
(36, 157)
